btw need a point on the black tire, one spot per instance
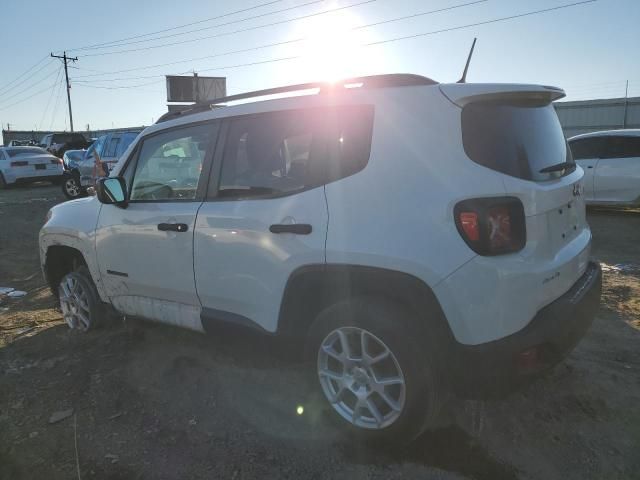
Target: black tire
(416, 356)
(71, 186)
(3, 184)
(95, 308)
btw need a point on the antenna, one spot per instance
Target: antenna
(466, 67)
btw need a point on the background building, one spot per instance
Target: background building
(593, 115)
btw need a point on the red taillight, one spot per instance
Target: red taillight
(469, 223)
(491, 226)
(56, 161)
(19, 164)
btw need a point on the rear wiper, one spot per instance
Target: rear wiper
(558, 167)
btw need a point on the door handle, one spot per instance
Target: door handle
(296, 228)
(173, 227)
(590, 166)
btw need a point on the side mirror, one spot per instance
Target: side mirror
(112, 190)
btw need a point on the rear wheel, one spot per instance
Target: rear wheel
(71, 187)
(380, 381)
(79, 300)
(3, 184)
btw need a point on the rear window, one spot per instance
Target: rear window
(68, 138)
(14, 152)
(515, 138)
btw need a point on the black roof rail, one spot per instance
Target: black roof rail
(373, 81)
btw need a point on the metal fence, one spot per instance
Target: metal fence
(594, 115)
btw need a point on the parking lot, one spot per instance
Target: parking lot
(150, 401)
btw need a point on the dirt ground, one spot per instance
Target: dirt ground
(153, 402)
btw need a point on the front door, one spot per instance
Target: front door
(145, 251)
(264, 220)
(617, 178)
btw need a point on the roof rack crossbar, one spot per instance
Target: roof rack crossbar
(374, 81)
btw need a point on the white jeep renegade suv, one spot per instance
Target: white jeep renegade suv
(418, 238)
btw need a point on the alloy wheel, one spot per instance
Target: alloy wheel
(74, 303)
(361, 378)
(71, 187)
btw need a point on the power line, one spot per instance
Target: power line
(276, 44)
(23, 73)
(27, 98)
(380, 42)
(312, 2)
(5, 92)
(95, 45)
(46, 108)
(511, 17)
(171, 44)
(55, 107)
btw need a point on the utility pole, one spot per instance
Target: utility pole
(65, 59)
(626, 105)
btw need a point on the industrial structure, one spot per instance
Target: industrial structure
(594, 115)
(36, 135)
(575, 117)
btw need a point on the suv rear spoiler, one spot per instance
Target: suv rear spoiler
(464, 93)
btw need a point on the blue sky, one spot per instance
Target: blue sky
(590, 50)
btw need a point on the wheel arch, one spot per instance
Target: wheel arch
(60, 260)
(312, 288)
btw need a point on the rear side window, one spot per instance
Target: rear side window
(515, 138)
(622, 147)
(284, 152)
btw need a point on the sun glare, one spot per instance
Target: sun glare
(332, 49)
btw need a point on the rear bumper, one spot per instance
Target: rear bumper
(500, 366)
(40, 178)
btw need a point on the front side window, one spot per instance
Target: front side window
(284, 152)
(622, 147)
(169, 164)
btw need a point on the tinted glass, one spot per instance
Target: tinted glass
(98, 145)
(14, 152)
(125, 141)
(284, 152)
(590, 147)
(169, 164)
(75, 155)
(517, 139)
(622, 147)
(112, 146)
(68, 138)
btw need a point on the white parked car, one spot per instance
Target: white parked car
(611, 162)
(28, 164)
(415, 237)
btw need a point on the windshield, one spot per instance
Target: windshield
(515, 138)
(14, 152)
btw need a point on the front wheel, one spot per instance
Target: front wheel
(378, 378)
(79, 300)
(71, 187)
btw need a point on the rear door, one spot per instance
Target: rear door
(145, 251)
(586, 153)
(617, 178)
(264, 216)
